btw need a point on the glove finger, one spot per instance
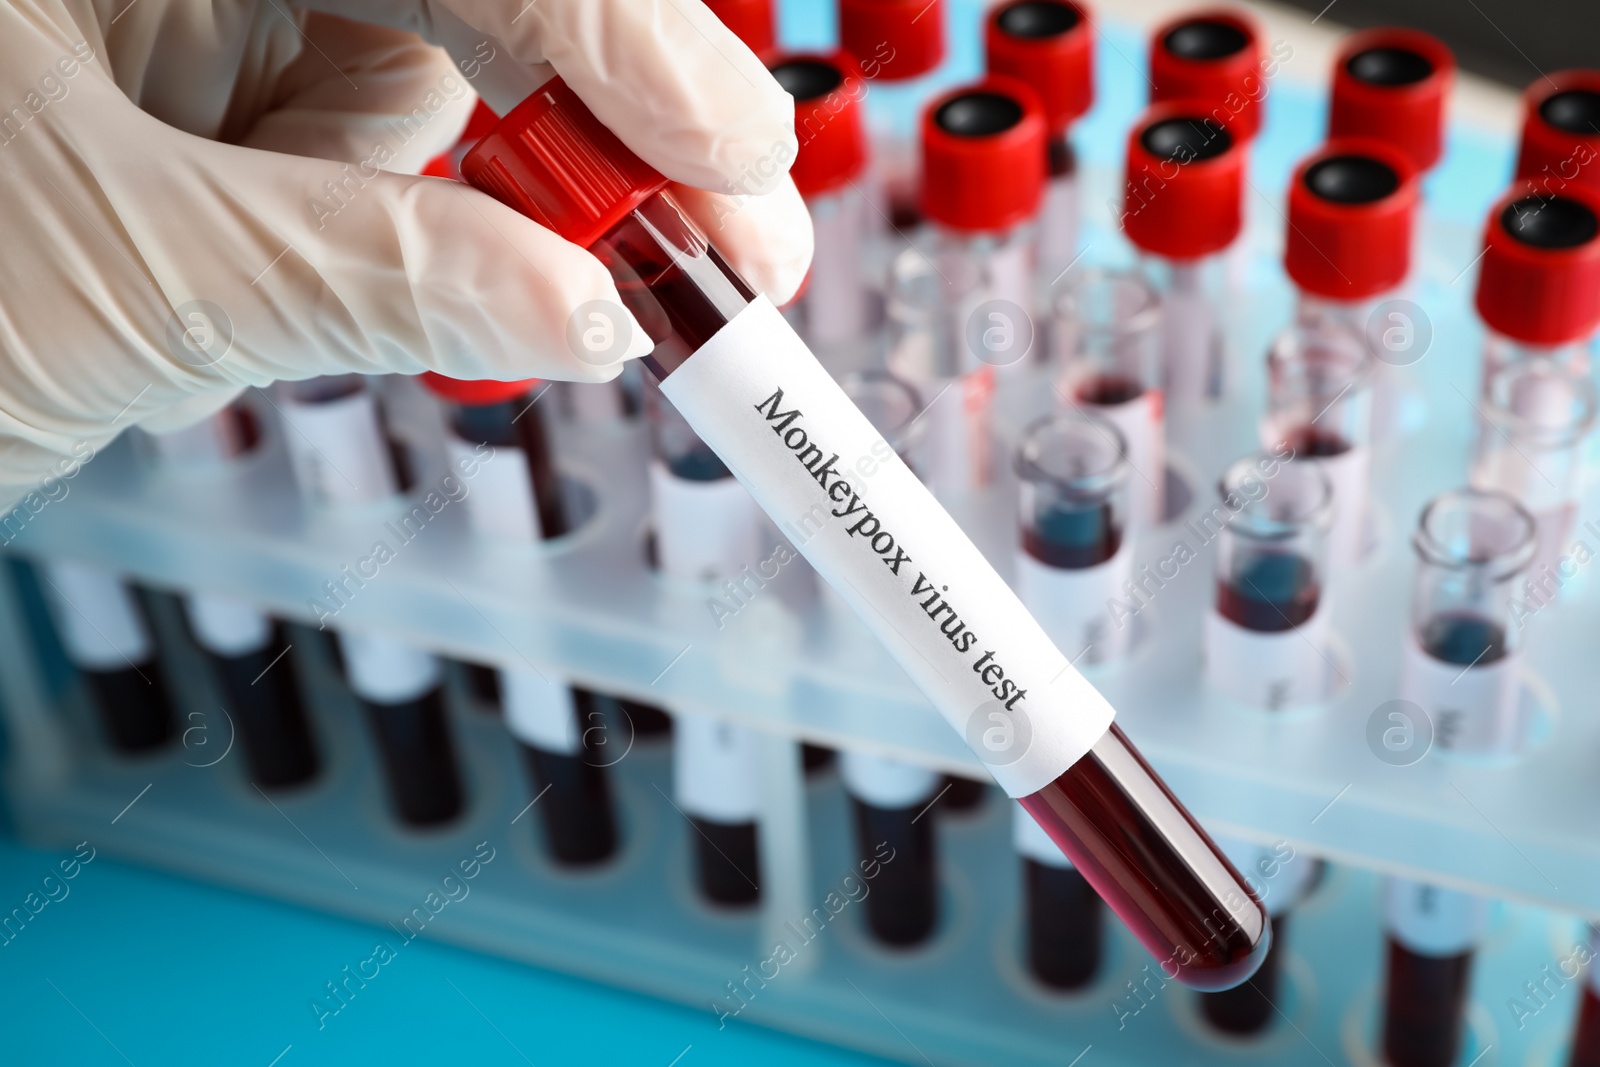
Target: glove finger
(767, 239)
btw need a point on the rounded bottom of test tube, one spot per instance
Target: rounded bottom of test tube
(1154, 867)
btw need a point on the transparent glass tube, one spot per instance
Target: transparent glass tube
(1105, 341)
(1319, 403)
(1073, 472)
(1194, 297)
(1501, 351)
(1058, 215)
(839, 309)
(1272, 553)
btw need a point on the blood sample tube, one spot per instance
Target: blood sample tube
(1284, 877)
(1535, 420)
(1319, 406)
(1105, 335)
(1586, 1033)
(1560, 133)
(706, 528)
(1462, 663)
(752, 21)
(106, 637)
(341, 458)
(837, 306)
(517, 496)
(247, 648)
(899, 45)
(1183, 207)
(1211, 60)
(1539, 281)
(1431, 936)
(890, 802)
(1265, 638)
(1075, 555)
(1391, 85)
(750, 390)
(1063, 920)
(1048, 45)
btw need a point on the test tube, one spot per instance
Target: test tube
(248, 649)
(837, 306)
(1183, 207)
(752, 21)
(1265, 638)
(497, 433)
(753, 393)
(1535, 420)
(1212, 60)
(1461, 661)
(1048, 45)
(1063, 919)
(1560, 132)
(890, 803)
(340, 457)
(1283, 877)
(1105, 336)
(1319, 409)
(1391, 85)
(1539, 280)
(706, 528)
(899, 45)
(106, 637)
(1431, 936)
(1586, 1032)
(1075, 554)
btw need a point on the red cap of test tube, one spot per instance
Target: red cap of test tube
(475, 393)
(750, 20)
(1391, 85)
(1561, 131)
(1185, 182)
(1352, 207)
(893, 39)
(827, 91)
(1049, 46)
(1213, 57)
(553, 161)
(1540, 278)
(983, 156)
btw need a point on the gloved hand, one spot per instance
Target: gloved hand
(169, 241)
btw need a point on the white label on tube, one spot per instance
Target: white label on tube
(884, 782)
(96, 616)
(338, 450)
(714, 769)
(1140, 422)
(1473, 709)
(224, 626)
(1349, 473)
(1269, 670)
(1189, 342)
(1431, 921)
(1278, 873)
(836, 298)
(1058, 227)
(705, 531)
(955, 452)
(1030, 840)
(594, 401)
(789, 433)
(539, 712)
(500, 502)
(1073, 605)
(385, 671)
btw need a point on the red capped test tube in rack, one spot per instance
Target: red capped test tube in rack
(1560, 133)
(1265, 640)
(1212, 60)
(1432, 934)
(1392, 85)
(1048, 45)
(1183, 208)
(735, 369)
(497, 431)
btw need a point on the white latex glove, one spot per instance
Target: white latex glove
(164, 250)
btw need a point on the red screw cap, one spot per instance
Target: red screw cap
(893, 39)
(1352, 206)
(475, 394)
(827, 91)
(1391, 85)
(1213, 57)
(1540, 279)
(1561, 131)
(553, 161)
(1049, 46)
(750, 20)
(1185, 182)
(983, 156)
